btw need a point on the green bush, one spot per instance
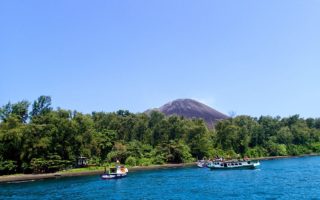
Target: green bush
(26, 168)
(230, 154)
(131, 161)
(299, 149)
(51, 164)
(293, 150)
(158, 159)
(275, 149)
(315, 147)
(282, 150)
(179, 152)
(144, 162)
(8, 167)
(117, 155)
(94, 161)
(256, 152)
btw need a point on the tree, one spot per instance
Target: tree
(300, 132)
(155, 118)
(227, 135)
(11, 138)
(175, 151)
(119, 152)
(269, 127)
(140, 130)
(53, 139)
(247, 127)
(275, 149)
(19, 110)
(103, 142)
(123, 113)
(284, 136)
(198, 139)
(5, 111)
(41, 106)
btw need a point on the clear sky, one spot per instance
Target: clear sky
(251, 57)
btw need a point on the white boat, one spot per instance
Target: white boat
(202, 163)
(245, 164)
(115, 173)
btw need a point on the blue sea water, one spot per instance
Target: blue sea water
(293, 178)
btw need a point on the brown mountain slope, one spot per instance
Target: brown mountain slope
(193, 109)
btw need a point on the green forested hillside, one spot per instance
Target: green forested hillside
(36, 138)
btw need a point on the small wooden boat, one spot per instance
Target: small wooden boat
(115, 173)
(245, 164)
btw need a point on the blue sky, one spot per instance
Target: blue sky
(251, 57)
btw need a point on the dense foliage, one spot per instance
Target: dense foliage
(47, 140)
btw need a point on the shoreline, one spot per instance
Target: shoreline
(283, 157)
(17, 178)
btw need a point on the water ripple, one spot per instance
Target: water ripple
(276, 179)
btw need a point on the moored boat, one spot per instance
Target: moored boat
(115, 173)
(202, 163)
(245, 164)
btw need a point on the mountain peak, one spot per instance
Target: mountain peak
(190, 108)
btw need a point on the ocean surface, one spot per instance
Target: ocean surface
(292, 178)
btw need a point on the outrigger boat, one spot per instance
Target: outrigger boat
(115, 173)
(245, 164)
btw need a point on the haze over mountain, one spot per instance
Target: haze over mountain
(190, 108)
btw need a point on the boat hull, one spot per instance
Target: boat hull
(234, 165)
(115, 173)
(112, 176)
(230, 168)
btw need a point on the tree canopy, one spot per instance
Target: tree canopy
(46, 139)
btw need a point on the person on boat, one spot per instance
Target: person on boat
(217, 158)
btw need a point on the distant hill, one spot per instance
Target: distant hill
(192, 109)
